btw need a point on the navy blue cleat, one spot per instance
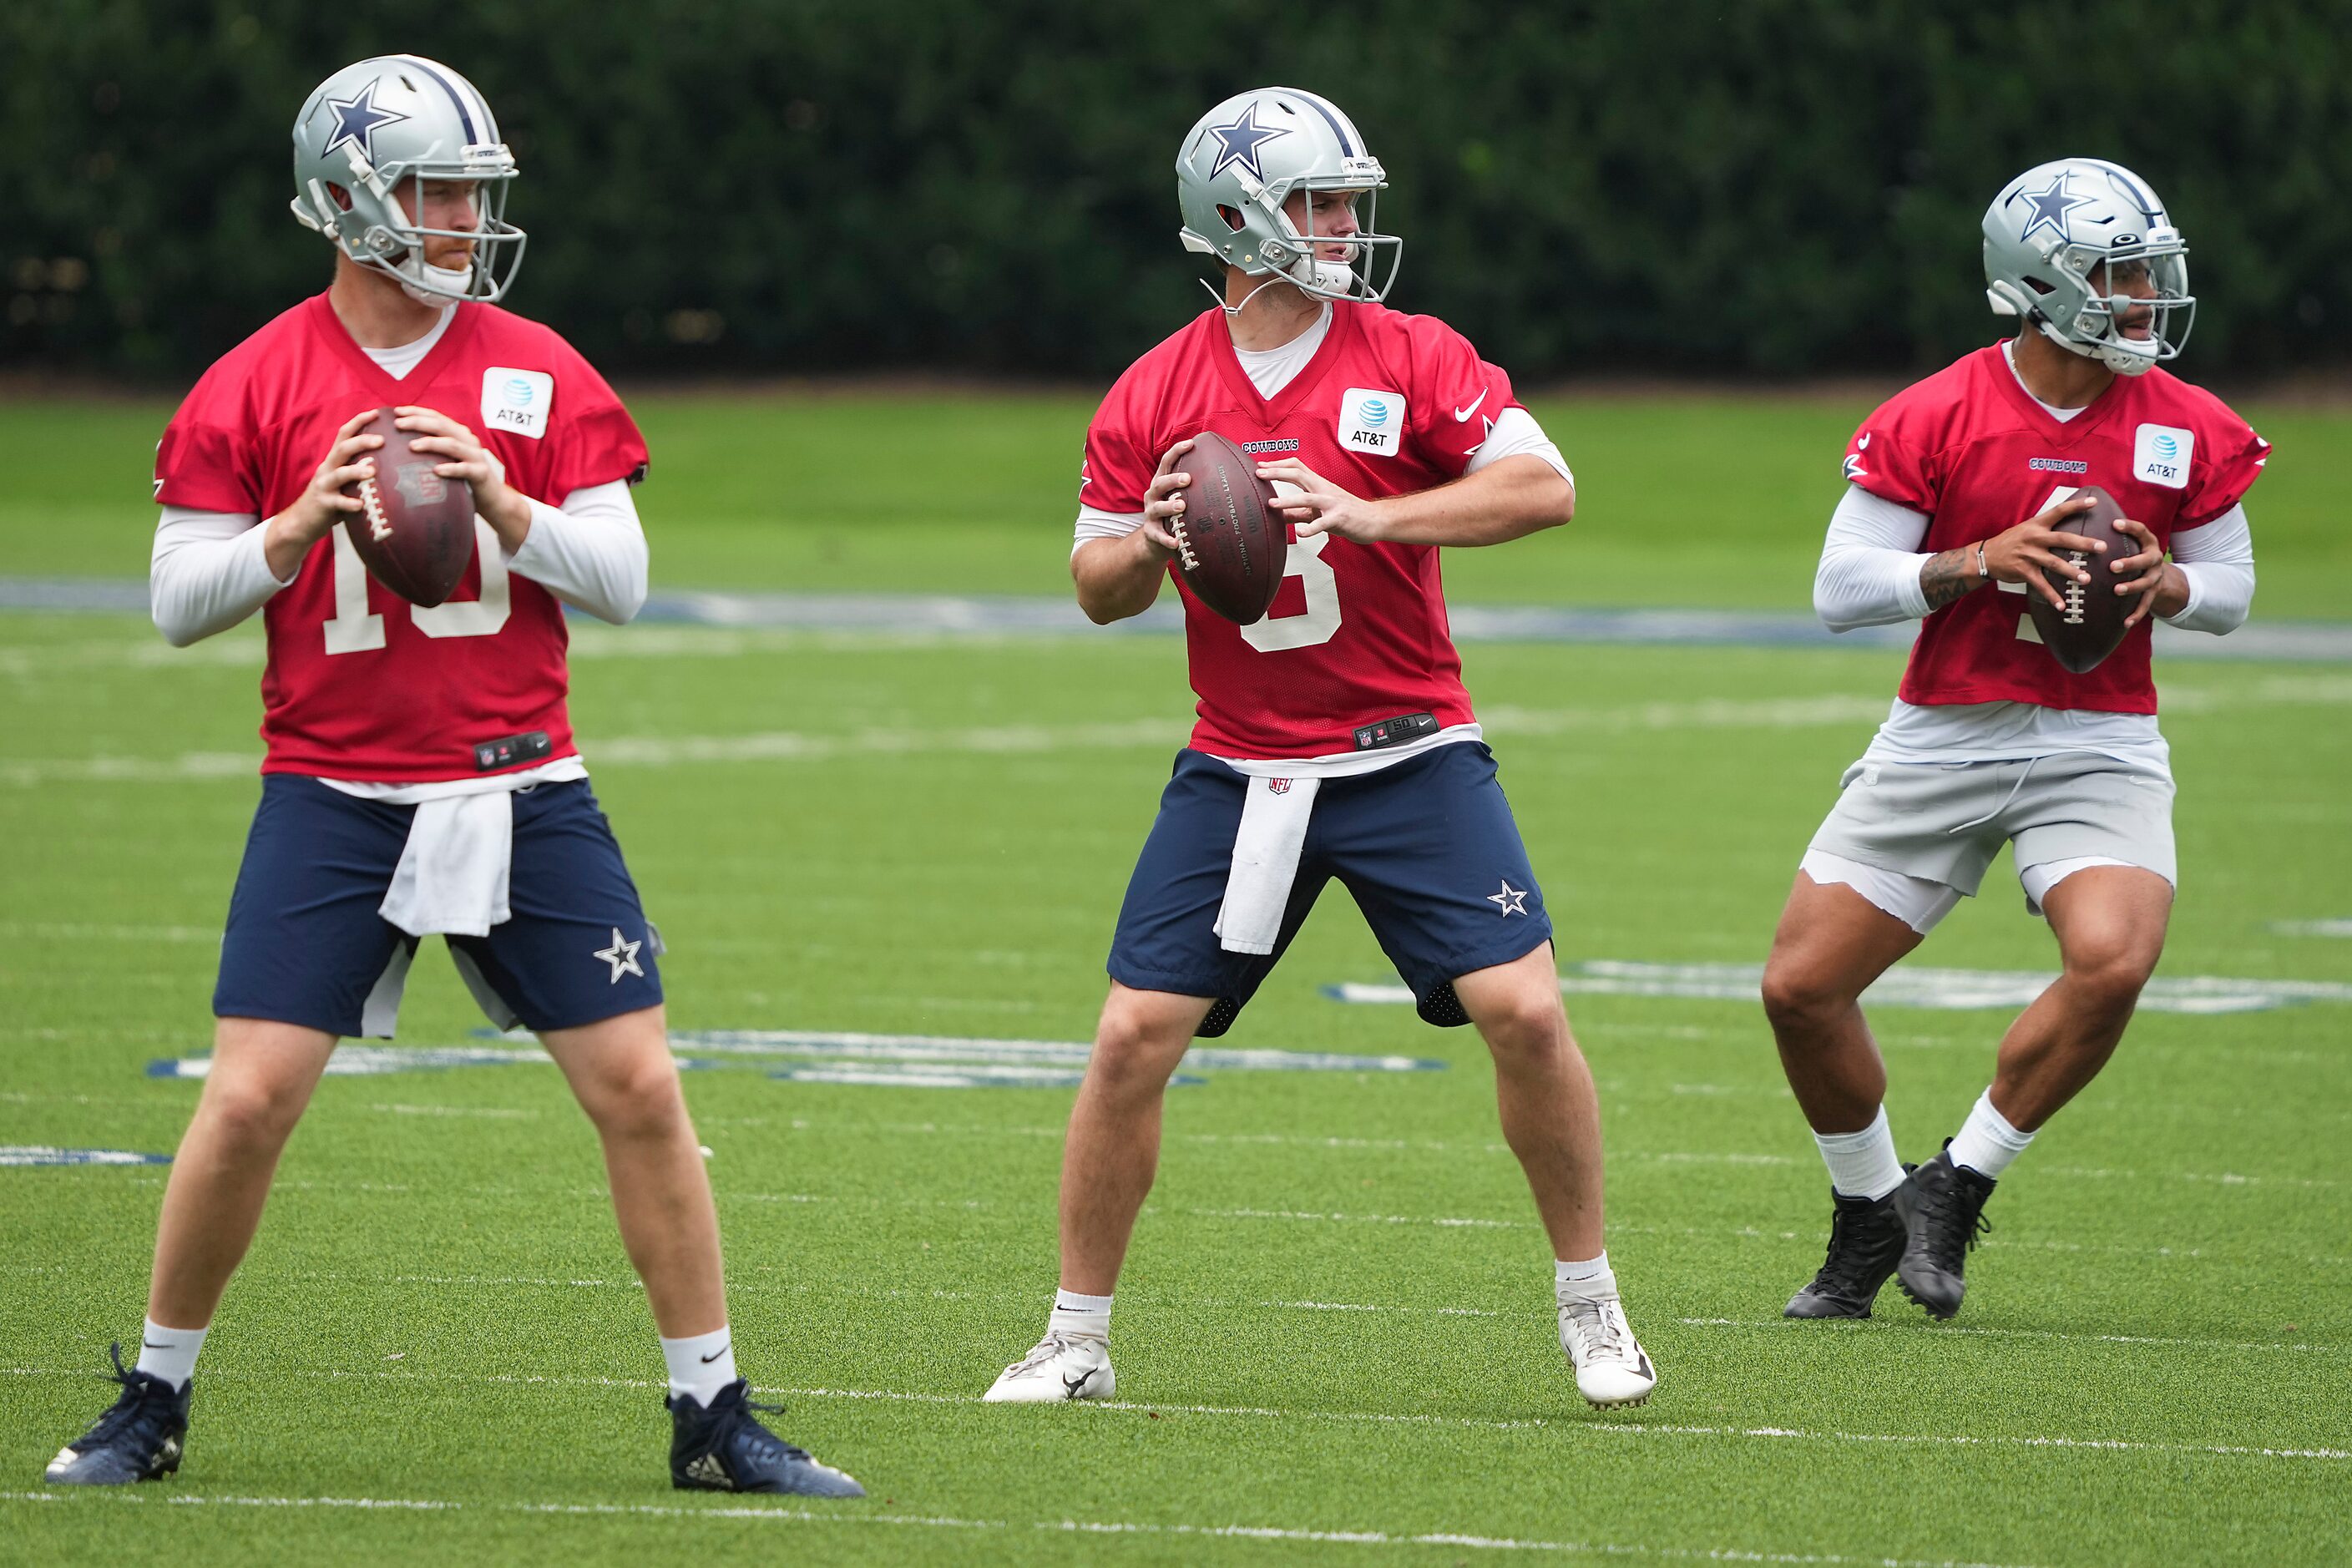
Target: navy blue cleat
(724, 1448)
(139, 1440)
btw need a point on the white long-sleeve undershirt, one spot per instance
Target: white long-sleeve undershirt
(209, 573)
(1869, 573)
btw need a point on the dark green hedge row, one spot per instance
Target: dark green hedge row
(1773, 186)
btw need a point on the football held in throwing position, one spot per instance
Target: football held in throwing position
(420, 775)
(1335, 740)
(1992, 740)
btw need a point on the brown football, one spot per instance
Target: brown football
(415, 529)
(1231, 543)
(2091, 626)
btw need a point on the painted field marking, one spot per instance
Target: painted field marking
(1835, 709)
(1783, 1325)
(47, 1155)
(1904, 986)
(847, 1514)
(1573, 1425)
(2312, 928)
(49, 930)
(906, 1061)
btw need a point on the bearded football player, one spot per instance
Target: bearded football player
(1961, 496)
(420, 775)
(1335, 740)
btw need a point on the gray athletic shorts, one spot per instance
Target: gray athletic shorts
(1946, 822)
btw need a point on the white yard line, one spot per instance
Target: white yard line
(850, 1513)
(798, 746)
(1783, 1325)
(1576, 1425)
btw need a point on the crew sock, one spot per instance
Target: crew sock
(1075, 1313)
(171, 1353)
(1986, 1142)
(701, 1365)
(1862, 1164)
(1593, 1276)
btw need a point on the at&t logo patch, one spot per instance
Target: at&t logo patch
(1372, 421)
(517, 401)
(2160, 455)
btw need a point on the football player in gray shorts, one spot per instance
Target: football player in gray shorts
(1959, 494)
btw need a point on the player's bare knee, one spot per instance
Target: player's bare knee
(1798, 999)
(252, 1113)
(1524, 1023)
(634, 1095)
(1135, 1050)
(2109, 976)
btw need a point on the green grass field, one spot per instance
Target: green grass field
(1335, 1338)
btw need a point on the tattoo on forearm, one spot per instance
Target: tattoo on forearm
(1948, 575)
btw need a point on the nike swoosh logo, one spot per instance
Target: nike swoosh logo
(148, 1344)
(1071, 1389)
(1462, 415)
(714, 1356)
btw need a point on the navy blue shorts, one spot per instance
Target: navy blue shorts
(1427, 846)
(305, 944)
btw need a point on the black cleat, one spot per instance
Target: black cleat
(1866, 1237)
(139, 1440)
(1943, 1209)
(723, 1448)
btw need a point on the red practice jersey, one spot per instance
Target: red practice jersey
(1974, 451)
(360, 683)
(1390, 404)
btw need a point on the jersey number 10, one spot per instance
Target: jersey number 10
(355, 630)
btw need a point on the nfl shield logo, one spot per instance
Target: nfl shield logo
(1278, 786)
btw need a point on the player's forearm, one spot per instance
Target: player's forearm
(1118, 578)
(589, 553)
(209, 571)
(1948, 575)
(1515, 498)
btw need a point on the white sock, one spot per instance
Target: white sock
(1076, 1314)
(171, 1353)
(701, 1365)
(1986, 1142)
(1593, 1276)
(1863, 1165)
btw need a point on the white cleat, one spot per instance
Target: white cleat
(1612, 1371)
(1063, 1366)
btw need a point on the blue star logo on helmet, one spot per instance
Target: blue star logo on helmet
(357, 118)
(1239, 142)
(2050, 208)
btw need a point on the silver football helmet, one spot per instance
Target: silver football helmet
(369, 129)
(2055, 225)
(1242, 161)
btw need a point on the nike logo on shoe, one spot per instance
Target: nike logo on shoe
(1077, 1388)
(1462, 415)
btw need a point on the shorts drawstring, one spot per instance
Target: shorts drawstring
(2023, 774)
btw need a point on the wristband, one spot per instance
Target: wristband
(1982, 570)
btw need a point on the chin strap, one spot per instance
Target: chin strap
(1233, 311)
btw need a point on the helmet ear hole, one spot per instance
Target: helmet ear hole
(1232, 217)
(2039, 287)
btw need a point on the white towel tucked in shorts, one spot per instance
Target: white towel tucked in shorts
(1265, 862)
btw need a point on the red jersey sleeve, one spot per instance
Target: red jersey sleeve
(208, 459)
(1454, 397)
(1890, 456)
(2230, 459)
(1119, 462)
(592, 440)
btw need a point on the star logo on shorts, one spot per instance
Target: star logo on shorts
(1510, 901)
(622, 955)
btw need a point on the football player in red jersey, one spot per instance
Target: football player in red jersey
(1334, 738)
(420, 775)
(1957, 500)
